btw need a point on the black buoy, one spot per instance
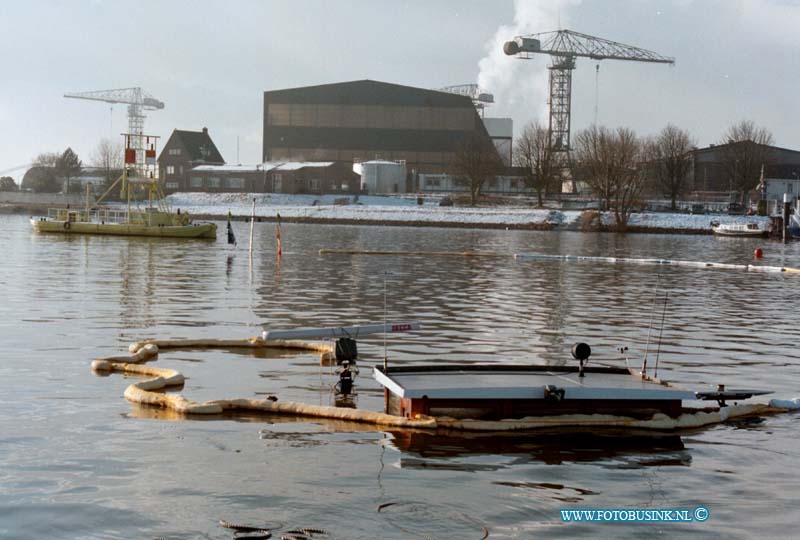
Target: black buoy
(581, 352)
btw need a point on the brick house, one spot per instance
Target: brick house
(184, 151)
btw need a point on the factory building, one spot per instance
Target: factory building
(501, 131)
(275, 177)
(367, 120)
(710, 169)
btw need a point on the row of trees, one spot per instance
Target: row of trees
(616, 164)
(57, 172)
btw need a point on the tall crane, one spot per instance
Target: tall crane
(564, 47)
(137, 100)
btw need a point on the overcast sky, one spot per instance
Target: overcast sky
(211, 61)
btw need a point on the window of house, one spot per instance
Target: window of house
(174, 152)
(196, 181)
(235, 183)
(170, 169)
(172, 185)
(213, 181)
(313, 184)
(277, 181)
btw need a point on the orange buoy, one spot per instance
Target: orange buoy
(758, 253)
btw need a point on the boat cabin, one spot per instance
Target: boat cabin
(494, 392)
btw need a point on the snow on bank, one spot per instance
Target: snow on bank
(368, 208)
(663, 220)
(397, 209)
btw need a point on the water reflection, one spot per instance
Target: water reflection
(68, 300)
(550, 447)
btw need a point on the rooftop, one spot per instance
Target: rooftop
(265, 167)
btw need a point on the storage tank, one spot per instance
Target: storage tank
(380, 176)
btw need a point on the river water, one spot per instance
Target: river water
(78, 461)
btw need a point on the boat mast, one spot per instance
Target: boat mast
(145, 171)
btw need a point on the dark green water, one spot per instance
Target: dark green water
(78, 461)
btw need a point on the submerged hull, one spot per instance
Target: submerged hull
(199, 230)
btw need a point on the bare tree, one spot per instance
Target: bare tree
(476, 161)
(746, 148)
(610, 164)
(532, 151)
(668, 159)
(591, 150)
(109, 156)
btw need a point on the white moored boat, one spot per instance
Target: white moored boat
(745, 230)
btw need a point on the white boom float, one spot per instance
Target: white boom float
(664, 262)
(337, 332)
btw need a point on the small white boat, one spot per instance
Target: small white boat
(745, 230)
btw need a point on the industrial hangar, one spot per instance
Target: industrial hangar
(365, 120)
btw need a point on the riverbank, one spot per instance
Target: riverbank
(400, 211)
(405, 211)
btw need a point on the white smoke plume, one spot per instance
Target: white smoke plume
(520, 87)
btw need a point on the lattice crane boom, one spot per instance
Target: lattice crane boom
(480, 97)
(130, 96)
(575, 44)
(138, 101)
(564, 47)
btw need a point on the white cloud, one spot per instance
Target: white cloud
(520, 87)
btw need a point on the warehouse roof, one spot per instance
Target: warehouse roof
(367, 92)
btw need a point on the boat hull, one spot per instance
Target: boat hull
(199, 230)
(740, 234)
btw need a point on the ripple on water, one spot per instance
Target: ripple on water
(103, 468)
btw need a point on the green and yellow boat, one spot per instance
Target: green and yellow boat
(155, 219)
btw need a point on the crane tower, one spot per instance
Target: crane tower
(564, 47)
(138, 101)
